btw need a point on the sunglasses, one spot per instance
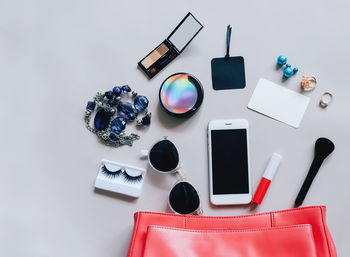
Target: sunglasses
(183, 197)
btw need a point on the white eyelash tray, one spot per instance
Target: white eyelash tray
(120, 178)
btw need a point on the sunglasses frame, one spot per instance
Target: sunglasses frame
(182, 178)
(175, 170)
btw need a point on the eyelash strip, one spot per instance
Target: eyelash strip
(114, 174)
(132, 179)
(110, 174)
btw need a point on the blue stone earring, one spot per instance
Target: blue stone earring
(282, 60)
(288, 71)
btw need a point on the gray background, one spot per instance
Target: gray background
(55, 55)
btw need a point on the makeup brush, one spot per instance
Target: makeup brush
(323, 148)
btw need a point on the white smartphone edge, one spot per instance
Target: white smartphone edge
(228, 199)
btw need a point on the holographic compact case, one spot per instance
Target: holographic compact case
(171, 47)
(181, 94)
(120, 178)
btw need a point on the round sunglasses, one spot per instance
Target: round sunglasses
(183, 197)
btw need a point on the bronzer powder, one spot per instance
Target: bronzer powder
(155, 55)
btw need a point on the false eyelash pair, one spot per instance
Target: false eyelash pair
(114, 174)
(120, 178)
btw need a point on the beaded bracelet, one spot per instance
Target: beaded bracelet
(112, 114)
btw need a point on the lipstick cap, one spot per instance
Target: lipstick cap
(272, 167)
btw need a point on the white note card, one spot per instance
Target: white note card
(278, 102)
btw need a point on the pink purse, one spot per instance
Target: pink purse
(261, 242)
(300, 232)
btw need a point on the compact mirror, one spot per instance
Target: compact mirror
(185, 32)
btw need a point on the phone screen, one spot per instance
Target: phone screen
(229, 161)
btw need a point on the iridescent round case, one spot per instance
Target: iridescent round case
(181, 94)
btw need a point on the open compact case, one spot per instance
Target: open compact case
(120, 178)
(171, 47)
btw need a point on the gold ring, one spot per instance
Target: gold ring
(326, 99)
(308, 82)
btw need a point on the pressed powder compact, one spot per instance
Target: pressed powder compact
(181, 94)
(171, 47)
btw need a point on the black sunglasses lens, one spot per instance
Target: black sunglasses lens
(184, 198)
(164, 156)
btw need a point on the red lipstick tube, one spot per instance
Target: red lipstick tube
(267, 178)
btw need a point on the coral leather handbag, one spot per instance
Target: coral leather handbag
(300, 232)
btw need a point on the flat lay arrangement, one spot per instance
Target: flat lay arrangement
(292, 233)
(174, 129)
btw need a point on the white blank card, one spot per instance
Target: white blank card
(278, 102)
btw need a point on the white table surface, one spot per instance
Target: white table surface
(55, 55)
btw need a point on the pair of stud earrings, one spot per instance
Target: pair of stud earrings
(288, 71)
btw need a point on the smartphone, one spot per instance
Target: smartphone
(229, 171)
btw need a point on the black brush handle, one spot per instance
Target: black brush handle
(315, 166)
